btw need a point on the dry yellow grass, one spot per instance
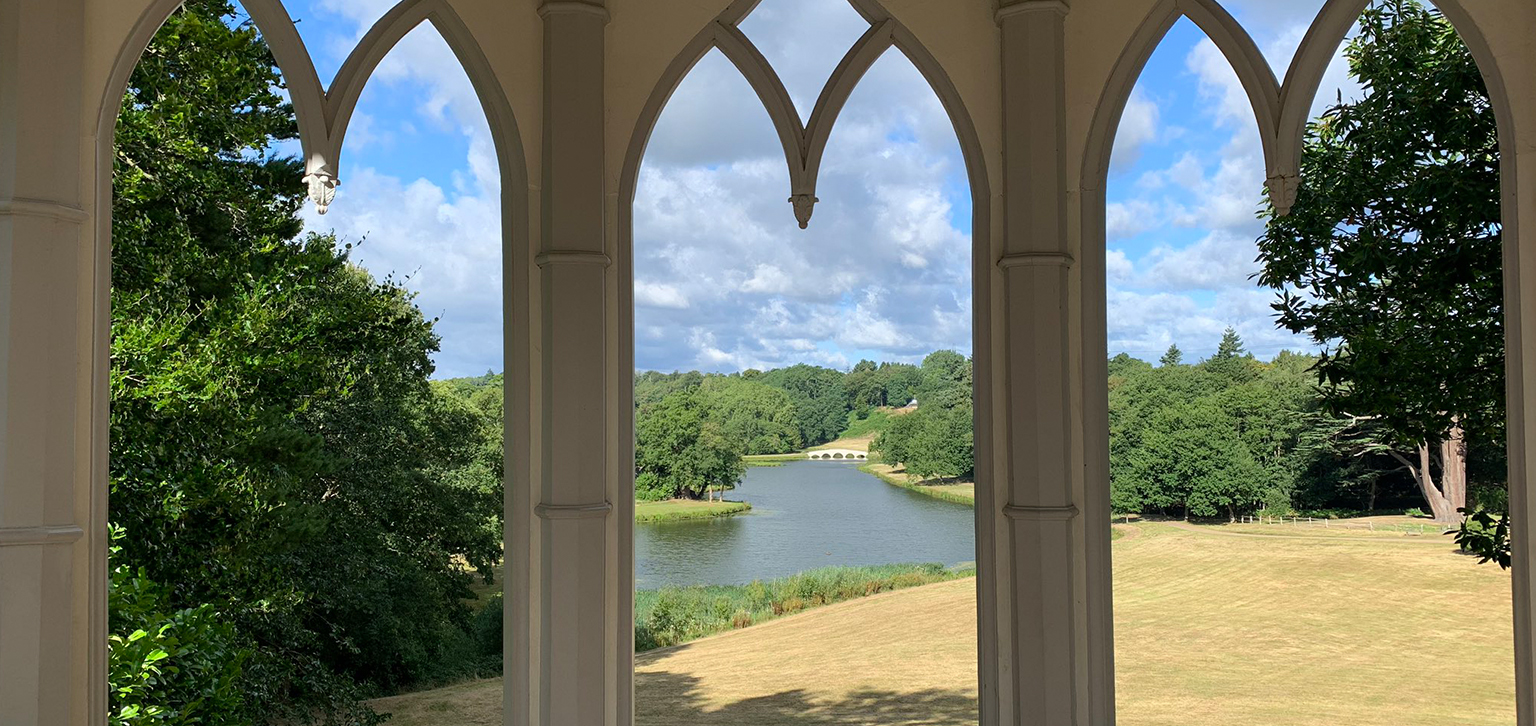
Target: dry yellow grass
(852, 443)
(1212, 627)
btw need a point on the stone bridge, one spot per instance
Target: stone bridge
(837, 455)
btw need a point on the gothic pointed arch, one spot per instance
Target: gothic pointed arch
(804, 144)
(1235, 44)
(324, 113)
(1328, 31)
(271, 18)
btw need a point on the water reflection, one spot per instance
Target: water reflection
(805, 515)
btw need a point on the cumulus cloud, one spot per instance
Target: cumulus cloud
(725, 279)
(1138, 126)
(1182, 224)
(432, 223)
(883, 269)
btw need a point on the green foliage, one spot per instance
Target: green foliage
(680, 453)
(1232, 364)
(674, 615)
(170, 667)
(945, 380)
(755, 417)
(1172, 357)
(1231, 435)
(821, 404)
(938, 439)
(876, 421)
(931, 442)
(1192, 457)
(278, 455)
(1486, 535)
(1391, 256)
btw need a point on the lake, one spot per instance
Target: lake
(805, 515)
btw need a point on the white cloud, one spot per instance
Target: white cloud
(1132, 217)
(659, 295)
(804, 40)
(1117, 266)
(726, 280)
(883, 268)
(1138, 126)
(1218, 261)
(442, 236)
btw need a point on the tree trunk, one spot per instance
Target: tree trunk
(1450, 495)
(1439, 503)
(1453, 471)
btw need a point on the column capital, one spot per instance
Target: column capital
(1023, 7)
(569, 7)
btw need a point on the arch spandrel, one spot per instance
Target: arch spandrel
(646, 38)
(508, 36)
(1103, 41)
(962, 39)
(115, 23)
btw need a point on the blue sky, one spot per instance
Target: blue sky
(726, 280)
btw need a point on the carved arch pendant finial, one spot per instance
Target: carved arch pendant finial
(805, 205)
(322, 189)
(1282, 192)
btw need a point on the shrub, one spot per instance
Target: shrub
(170, 668)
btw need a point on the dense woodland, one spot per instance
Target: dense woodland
(300, 512)
(1220, 437)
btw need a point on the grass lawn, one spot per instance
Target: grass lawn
(679, 509)
(962, 492)
(1213, 626)
(853, 443)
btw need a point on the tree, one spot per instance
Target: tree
(279, 460)
(755, 418)
(895, 445)
(680, 452)
(1172, 357)
(1232, 363)
(821, 406)
(865, 388)
(946, 380)
(900, 381)
(1391, 255)
(1192, 458)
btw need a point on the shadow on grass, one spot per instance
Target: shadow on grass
(674, 698)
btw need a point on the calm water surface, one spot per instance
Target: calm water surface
(805, 515)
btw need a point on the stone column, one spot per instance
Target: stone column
(578, 675)
(1518, 167)
(1043, 512)
(52, 588)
